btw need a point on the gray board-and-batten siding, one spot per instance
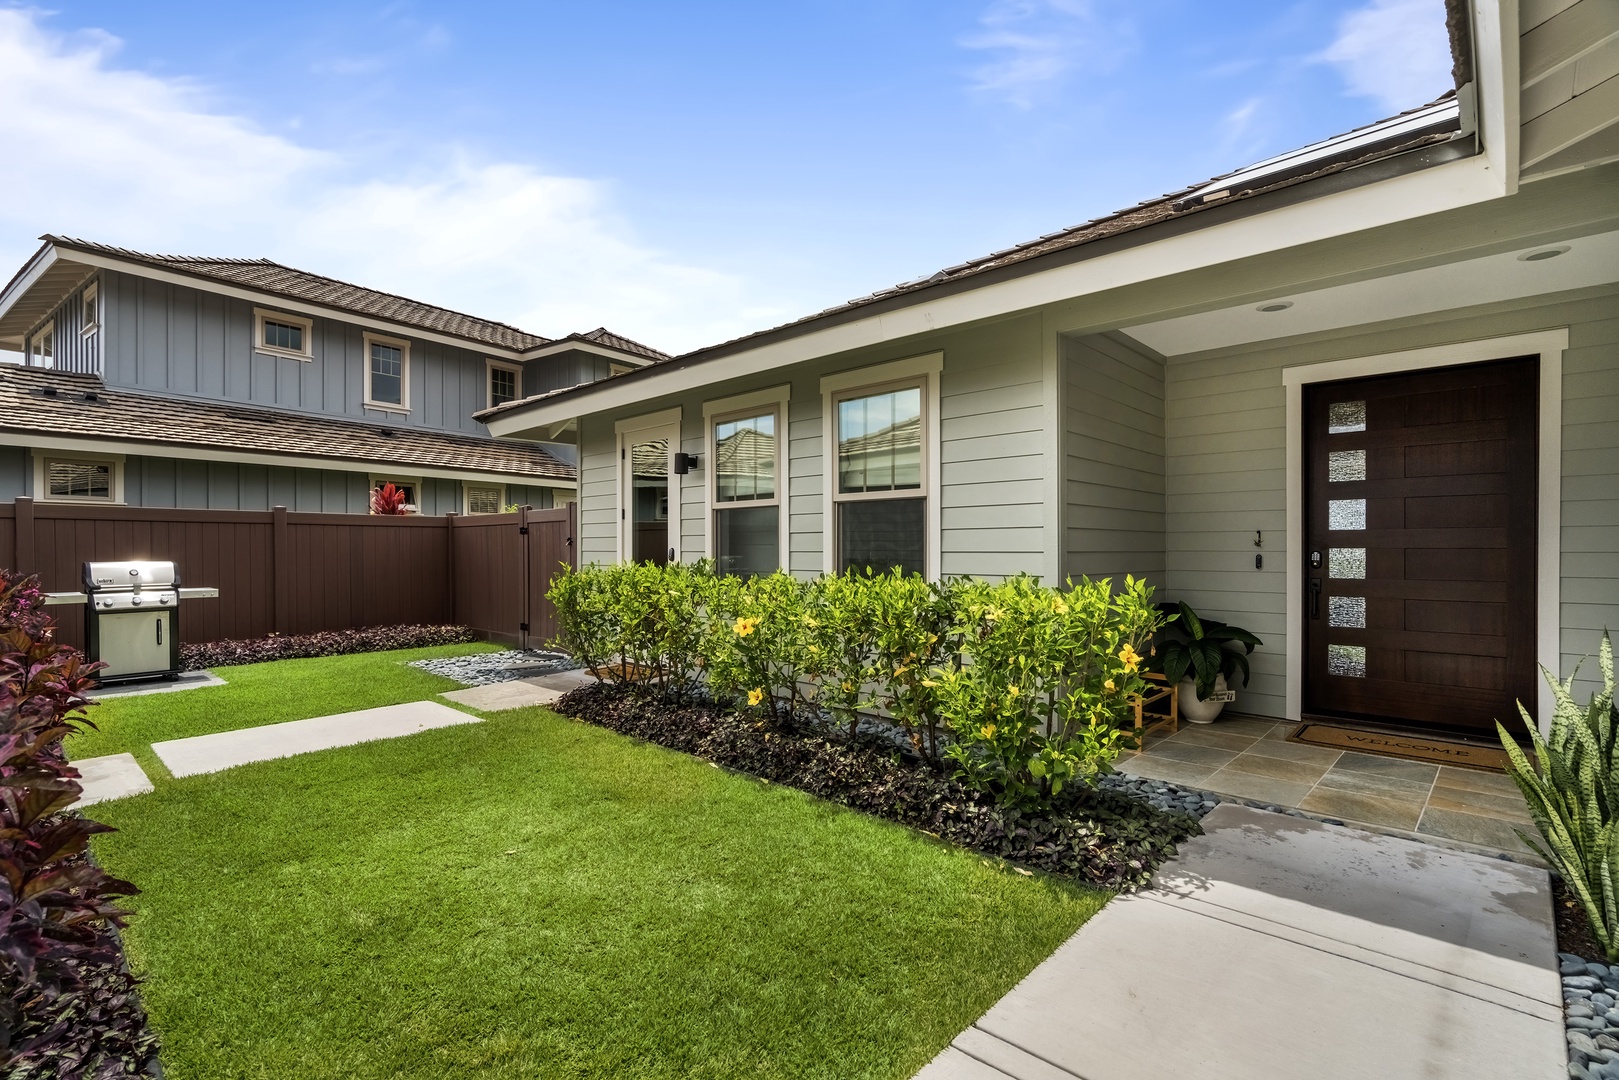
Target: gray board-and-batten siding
(191, 484)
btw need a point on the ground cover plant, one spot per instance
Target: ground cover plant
(530, 896)
(211, 654)
(67, 1009)
(269, 693)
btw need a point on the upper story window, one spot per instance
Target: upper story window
(280, 334)
(42, 347)
(387, 373)
(90, 310)
(505, 382)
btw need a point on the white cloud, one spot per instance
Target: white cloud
(117, 155)
(1036, 43)
(1396, 51)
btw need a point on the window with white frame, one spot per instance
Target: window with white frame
(281, 334)
(42, 346)
(407, 486)
(485, 498)
(90, 309)
(879, 493)
(387, 373)
(745, 459)
(75, 479)
(505, 383)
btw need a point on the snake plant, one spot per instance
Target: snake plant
(1573, 796)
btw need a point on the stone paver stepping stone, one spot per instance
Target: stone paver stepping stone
(228, 749)
(112, 777)
(513, 694)
(1275, 948)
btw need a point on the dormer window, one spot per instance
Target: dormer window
(90, 310)
(505, 382)
(41, 346)
(280, 334)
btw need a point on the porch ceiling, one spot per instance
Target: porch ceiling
(1581, 262)
(54, 282)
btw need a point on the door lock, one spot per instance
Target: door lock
(1315, 560)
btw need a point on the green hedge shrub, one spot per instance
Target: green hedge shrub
(1018, 688)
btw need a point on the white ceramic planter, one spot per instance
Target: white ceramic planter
(1200, 712)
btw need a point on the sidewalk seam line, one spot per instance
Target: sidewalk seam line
(1016, 1046)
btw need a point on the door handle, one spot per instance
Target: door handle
(160, 629)
(1315, 598)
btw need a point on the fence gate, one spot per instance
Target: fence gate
(502, 565)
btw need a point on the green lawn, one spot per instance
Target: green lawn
(262, 694)
(534, 897)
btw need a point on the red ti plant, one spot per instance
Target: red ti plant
(388, 499)
(55, 905)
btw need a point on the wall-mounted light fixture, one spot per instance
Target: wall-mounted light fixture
(685, 463)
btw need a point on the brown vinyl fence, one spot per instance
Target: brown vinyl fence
(290, 573)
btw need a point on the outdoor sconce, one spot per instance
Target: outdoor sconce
(685, 463)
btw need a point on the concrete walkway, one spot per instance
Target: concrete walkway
(1277, 948)
(227, 749)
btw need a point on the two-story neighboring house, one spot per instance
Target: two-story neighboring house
(173, 381)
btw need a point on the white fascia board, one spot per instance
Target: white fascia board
(1402, 198)
(1496, 77)
(135, 448)
(43, 261)
(557, 348)
(286, 303)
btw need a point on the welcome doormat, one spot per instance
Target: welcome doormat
(1436, 751)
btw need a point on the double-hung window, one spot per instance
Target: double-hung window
(387, 373)
(881, 432)
(505, 383)
(747, 481)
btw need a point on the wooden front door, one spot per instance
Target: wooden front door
(1420, 491)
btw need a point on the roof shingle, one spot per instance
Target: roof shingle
(57, 403)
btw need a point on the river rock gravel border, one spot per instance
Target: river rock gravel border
(486, 669)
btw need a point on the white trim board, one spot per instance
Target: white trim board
(106, 447)
(927, 369)
(1549, 345)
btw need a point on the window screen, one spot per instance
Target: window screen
(882, 534)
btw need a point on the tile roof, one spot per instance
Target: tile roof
(272, 278)
(82, 406)
(607, 339)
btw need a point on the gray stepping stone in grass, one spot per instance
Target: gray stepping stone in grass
(228, 749)
(114, 776)
(513, 694)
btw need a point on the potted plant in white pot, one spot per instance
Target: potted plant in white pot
(1193, 652)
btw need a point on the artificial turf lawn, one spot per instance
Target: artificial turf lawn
(534, 897)
(254, 694)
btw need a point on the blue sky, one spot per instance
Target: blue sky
(682, 173)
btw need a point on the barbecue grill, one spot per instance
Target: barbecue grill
(132, 619)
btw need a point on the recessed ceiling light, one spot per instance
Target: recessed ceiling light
(1543, 254)
(1275, 305)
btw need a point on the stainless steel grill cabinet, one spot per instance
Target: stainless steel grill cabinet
(132, 619)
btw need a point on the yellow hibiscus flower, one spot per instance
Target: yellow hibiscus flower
(755, 696)
(987, 731)
(1130, 657)
(744, 627)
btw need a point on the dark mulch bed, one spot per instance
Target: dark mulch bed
(1573, 928)
(98, 1031)
(1101, 838)
(329, 643)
